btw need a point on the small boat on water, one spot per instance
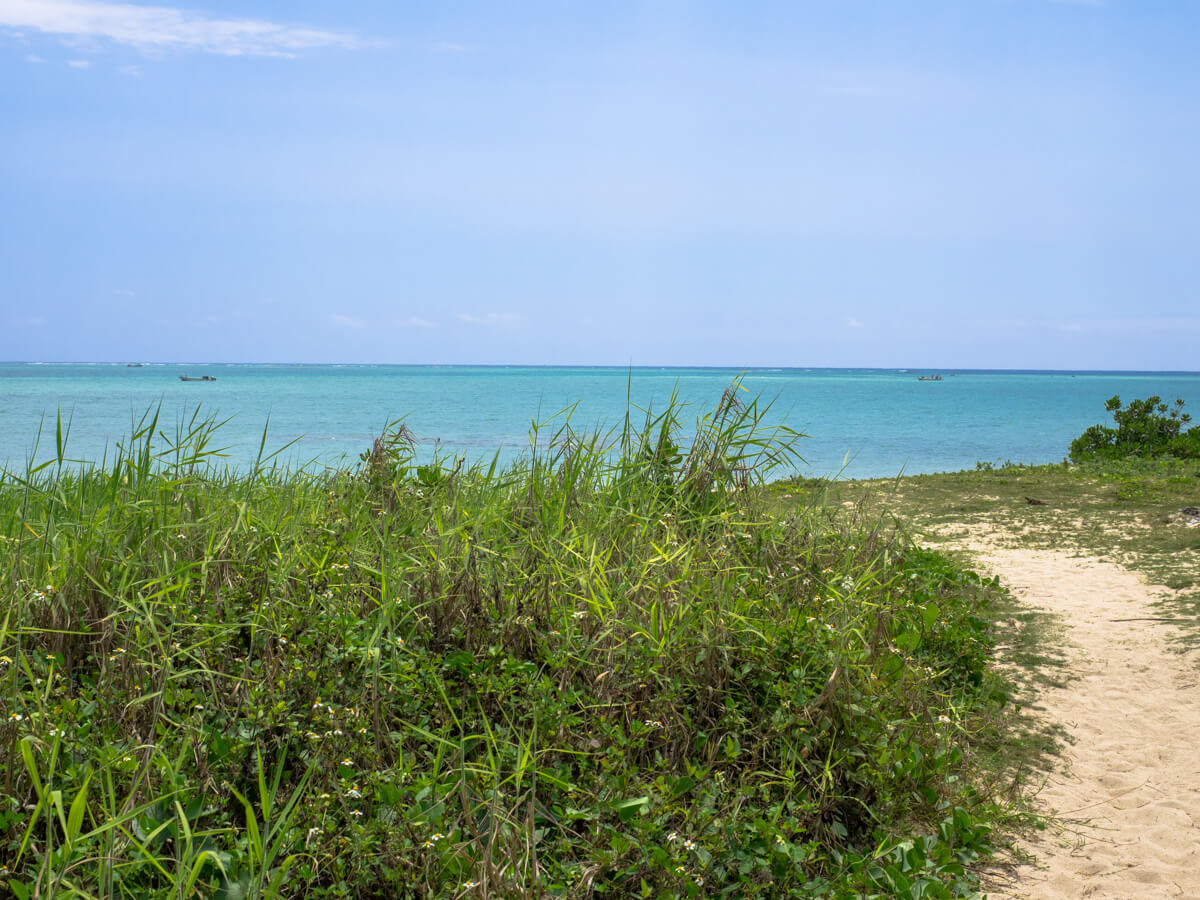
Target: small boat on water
(929, 378)
(193, 378)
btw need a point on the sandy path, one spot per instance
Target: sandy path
(1126, 792)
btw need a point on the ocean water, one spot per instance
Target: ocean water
(859, 422)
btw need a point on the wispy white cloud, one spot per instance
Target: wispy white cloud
(448, 47)
(852, 322)
(34, 58)
(79, 63)
(500, 320)
(341, 321)
(1129, 324)
(160, 28)
(415, 322)
(29, 321)
(869, 82)
(131, 71)
(123, 292)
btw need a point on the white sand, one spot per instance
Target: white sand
(1125, 796)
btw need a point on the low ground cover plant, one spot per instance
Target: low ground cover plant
(613, 669)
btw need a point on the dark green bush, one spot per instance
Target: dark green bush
(611, 670)
(1147, 428)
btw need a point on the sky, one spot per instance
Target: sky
(983, 184)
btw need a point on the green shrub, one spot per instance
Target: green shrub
(1146, 428)
(1186, 445)
(607, 671)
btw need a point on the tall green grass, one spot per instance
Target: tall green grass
(612, 669)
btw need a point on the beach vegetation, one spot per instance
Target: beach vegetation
(1144, 428)
(619, 667)
(1138, 512)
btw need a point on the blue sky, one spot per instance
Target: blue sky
(1006, 184)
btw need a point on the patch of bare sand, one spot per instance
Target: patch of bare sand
(1125, 796)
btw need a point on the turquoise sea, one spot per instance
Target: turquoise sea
(861, 422)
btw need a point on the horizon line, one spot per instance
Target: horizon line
(622, 366)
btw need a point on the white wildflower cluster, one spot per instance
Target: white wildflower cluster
(685, 843)
(330, 710)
